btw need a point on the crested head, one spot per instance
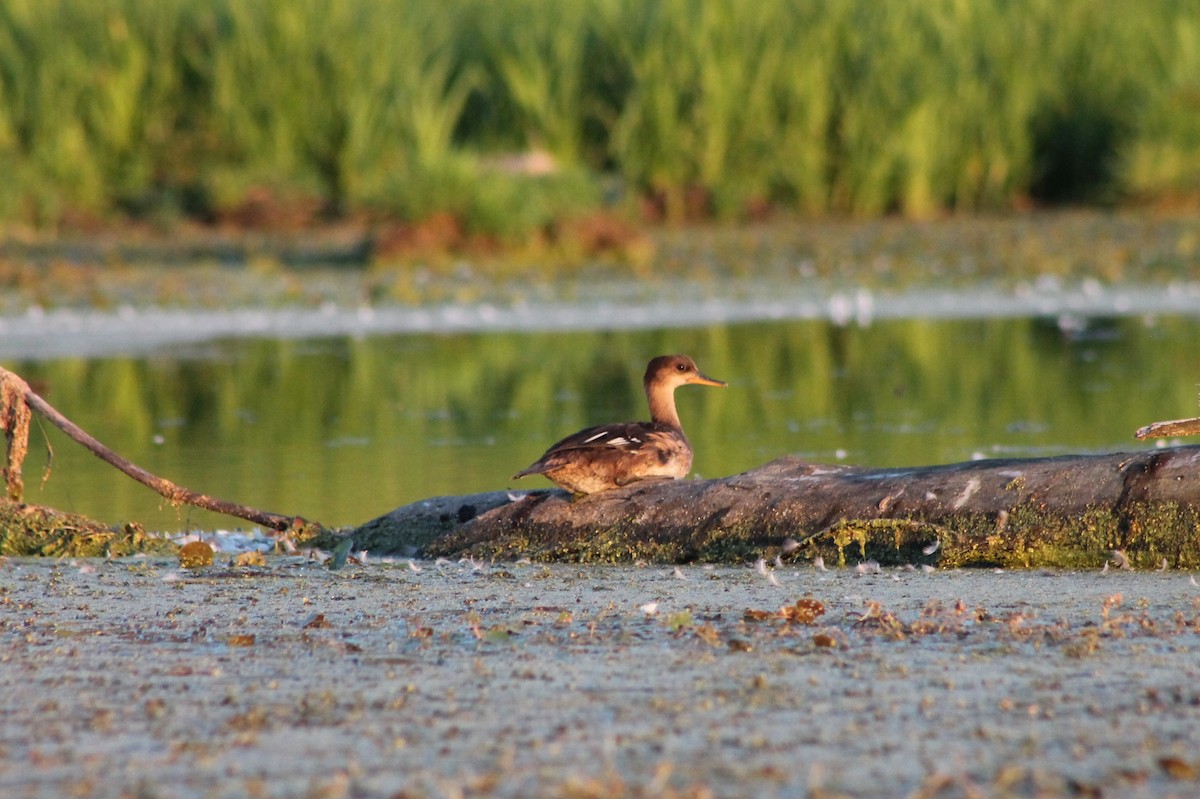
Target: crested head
(676, 370)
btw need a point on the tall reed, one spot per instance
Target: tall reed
(86, 103)
(338, 92)
(400, 107)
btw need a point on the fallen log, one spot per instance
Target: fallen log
(1068, 511)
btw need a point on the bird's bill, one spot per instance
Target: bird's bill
(705, 380)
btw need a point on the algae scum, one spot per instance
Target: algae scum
(522, 679)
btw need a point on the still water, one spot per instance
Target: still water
(343, 429)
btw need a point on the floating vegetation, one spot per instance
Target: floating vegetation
(805, 611)
(195, 555)
(1015, 659)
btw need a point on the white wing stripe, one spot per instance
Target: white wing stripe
(602, 439)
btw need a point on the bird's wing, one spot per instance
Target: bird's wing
(627, 436)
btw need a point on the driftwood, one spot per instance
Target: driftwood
(17, 399)
(1070, 511)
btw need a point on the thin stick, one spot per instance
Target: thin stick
(173, 493)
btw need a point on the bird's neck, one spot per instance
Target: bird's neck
(662, 406)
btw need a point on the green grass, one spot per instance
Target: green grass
(115, 109)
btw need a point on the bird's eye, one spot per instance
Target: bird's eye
(681, 367)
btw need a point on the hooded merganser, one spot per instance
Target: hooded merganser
(615, 455)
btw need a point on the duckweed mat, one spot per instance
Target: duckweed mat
(457, 678)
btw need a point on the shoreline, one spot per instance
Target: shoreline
(39, 334)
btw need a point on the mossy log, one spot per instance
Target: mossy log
(1069, 511)
(37, 530)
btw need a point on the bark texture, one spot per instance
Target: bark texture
(1070, 511)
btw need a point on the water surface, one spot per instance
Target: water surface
(341, 429)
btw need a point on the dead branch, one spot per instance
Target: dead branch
(1175, 427)
(16, 400)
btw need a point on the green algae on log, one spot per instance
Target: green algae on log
(38, 530)
(1067, 511)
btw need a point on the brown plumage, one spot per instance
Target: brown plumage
(615, 455)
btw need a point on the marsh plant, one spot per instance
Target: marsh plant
(405, 108)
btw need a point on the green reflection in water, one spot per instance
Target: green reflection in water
(343, 430)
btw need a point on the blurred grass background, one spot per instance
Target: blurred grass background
(282, 112)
